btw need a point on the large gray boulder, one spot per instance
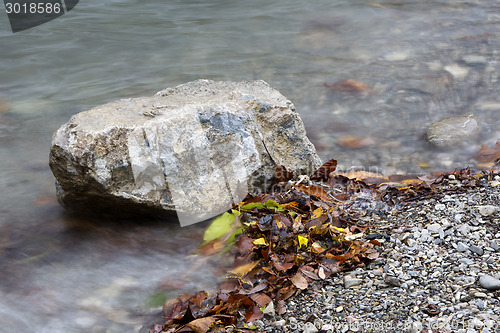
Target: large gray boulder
(193, 149)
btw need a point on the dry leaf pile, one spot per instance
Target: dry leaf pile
(299, 235)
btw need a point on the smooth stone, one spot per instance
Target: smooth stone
(440, 206)
(480, 295)
(434, 228)
(461, 247)
(191, 150)
(452, 130)
(476, 249)
(487, 210)
(495, 246)
(351, 282)
(457, 71)
(489, 282)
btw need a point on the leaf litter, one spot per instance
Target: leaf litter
(294, 238)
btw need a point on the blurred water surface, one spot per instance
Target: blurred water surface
(419, 60)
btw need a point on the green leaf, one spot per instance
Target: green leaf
(222, 226)
(156, 300)
(252, 205)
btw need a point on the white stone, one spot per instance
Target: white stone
(452, 130)
(458, 72)
(487, 210)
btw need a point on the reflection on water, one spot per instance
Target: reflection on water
(421, 61)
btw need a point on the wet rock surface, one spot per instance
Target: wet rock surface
(192, 149)
(452, 130)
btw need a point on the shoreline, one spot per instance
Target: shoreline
(433, 250)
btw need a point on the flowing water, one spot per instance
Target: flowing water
(420, 61)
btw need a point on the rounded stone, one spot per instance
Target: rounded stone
(452, 130)
(489, 282)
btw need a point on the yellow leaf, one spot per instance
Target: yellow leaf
(260, 241)
(338, 229)
(317, 213)
(244, 269)
(302, 240)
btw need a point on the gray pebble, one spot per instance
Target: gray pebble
(461, 247)
(351, 282)
(495, 246)
(487, 210)
(452, 130)
(476, 249)
(309, 328)
(489, 282)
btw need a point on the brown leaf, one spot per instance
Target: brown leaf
(244, 244)
(309, 272)
(324, 171)
(299, 281)
(313, 190)
(355, 142)
(245, 268)
(202, 325)
(359, 174)
(283, 267)
(487, 154)
(349, 86)
(261, 299)
(253, 314)
(282, 174)
(211, 247)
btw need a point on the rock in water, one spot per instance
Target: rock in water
(193, 149)
(452, 130)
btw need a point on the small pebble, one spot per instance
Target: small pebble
(489, 282)
(487, 210)
(476, 249)
(461, 247)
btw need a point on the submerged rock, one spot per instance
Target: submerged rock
(452, 130)
(193, 149)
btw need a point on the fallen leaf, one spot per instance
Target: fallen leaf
(302, 240)
(309, 273)
(359, 174)
(349, 86)
(245, 269)
(355, 142)
(321, 273)
(260, 241)
(487, 154)
(324, 171)
(282, 174)
(253, 314)
(261, 299)
(283, 266)
(221, 226)
(317, 248)
(313, 190)
(202, 325)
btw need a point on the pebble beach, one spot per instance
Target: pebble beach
(439, 271)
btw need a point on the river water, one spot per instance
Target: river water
(420, 61)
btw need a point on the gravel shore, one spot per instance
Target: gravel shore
(439, 271)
